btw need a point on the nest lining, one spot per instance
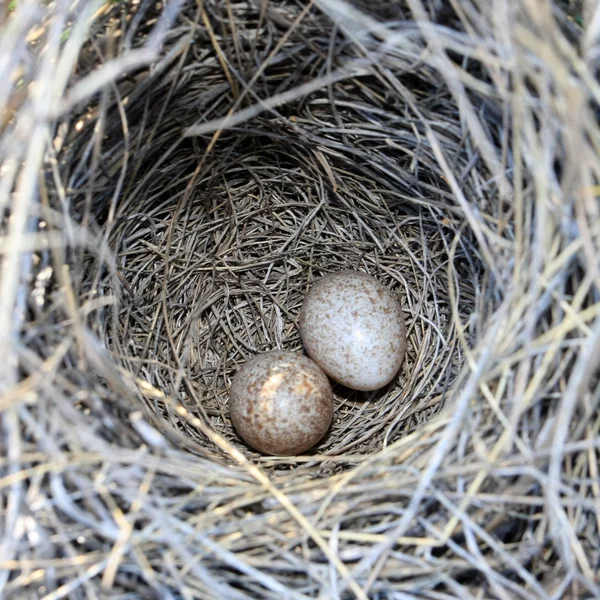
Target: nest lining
(244, 251)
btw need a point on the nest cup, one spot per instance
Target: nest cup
(196, 169)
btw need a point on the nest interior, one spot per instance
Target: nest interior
(197, 167)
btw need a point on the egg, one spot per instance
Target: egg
(281, 403)
(352, 326)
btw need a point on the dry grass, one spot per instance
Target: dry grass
(173, 180)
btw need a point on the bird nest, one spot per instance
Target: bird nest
(173, 180)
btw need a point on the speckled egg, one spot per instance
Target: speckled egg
(281, 403)
(352, 326)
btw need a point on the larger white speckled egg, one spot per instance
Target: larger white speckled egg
(352, 326)
(281, 403)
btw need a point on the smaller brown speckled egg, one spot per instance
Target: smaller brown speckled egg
(352, 326)
(281, 403)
